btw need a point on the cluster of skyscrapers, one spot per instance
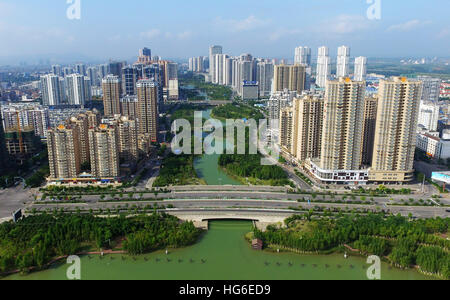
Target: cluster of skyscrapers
(346, 136)
(112, 144)
(254, 78)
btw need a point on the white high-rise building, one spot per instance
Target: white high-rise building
(76, 89)
(343, 62)
(302, 56)
(360, 68)
(264, 75)
(52, 90)
(323, 67)
(219, 67)
(213, 50)
(429, 115)
(431, 88)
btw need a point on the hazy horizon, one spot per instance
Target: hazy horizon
(112, 29)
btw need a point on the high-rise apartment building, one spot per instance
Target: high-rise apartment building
(52, 90)
(301, 128)
(302, 56)
(213, 50)
(111, 95)
(145, 56)
(343, 62)
(429, 115)
(80, 69)
(147, 95)
(127, 138)
(370, 120)
(431, 88)
(3, 152)
(129, 106)
(92, 74)
(323, 72)
(340, 159)
(63, 152)
(343, 125)
(291, 77)
(81, 124)
(395, 132)
(77, 89)
(129, 79)
(264, 75)
(360, 68)
(104, 150)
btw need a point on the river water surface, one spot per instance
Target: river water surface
(226, 256)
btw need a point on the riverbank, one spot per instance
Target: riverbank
(402, 242)
(37, 241)
(222, 253)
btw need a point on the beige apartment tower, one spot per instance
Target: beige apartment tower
(343, 125)
(104, 151)
(301, 128)
(111, 95)
(395, 132)
(63, 152)
(81, 124)
(147, 94)
(127, 137)
(291, 77)
(370, 120)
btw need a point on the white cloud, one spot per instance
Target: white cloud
(281, 33)
(344, 24)
(150, 34)
(184, 35)
(155, 33)
(407, 26)
(444, 33)
(233, 25)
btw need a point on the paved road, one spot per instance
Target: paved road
(420, 212)
(12, 199)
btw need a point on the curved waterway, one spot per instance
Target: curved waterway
(207, 166)
(226, 256)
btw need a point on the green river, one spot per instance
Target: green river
(225, 254)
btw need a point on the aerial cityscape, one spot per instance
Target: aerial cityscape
(202, 156)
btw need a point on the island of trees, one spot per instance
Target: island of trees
(404, 243)
(36, 240)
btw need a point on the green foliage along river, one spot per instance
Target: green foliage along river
(225, 255)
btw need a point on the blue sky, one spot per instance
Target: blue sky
(183, 28)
